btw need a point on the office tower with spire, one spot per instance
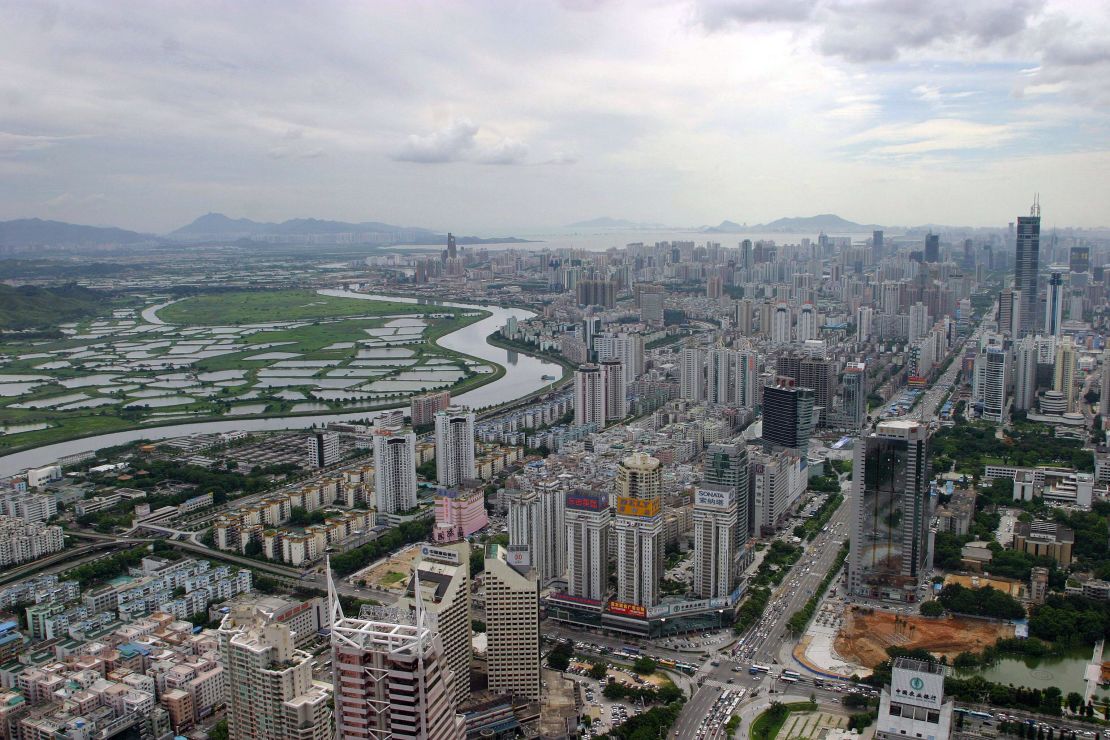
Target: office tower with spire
(394, 468)
(891, 513)
(639, 529)
(1026, 265)
(442, 574)
(512, 626)
(270, 694)
(588, 521)
(616, 393)
(589, 396)
(391, 676)
(454, 432)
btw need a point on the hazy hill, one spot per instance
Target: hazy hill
(33, 232)
(217, 225)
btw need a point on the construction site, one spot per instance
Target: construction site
(866, 633)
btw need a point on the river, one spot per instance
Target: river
(523, 375)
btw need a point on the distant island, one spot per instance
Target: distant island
(821, 222)
(605, 222)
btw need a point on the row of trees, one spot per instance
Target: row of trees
(981, 602)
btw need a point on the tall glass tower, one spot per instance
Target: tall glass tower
(1025, 269)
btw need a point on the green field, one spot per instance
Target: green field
(256, 307)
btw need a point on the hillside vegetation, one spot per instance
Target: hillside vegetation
(31, 307)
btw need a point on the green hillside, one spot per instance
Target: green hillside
(31, 307)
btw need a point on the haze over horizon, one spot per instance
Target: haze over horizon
(504, 119)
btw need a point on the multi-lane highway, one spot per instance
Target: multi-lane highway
(763, 643)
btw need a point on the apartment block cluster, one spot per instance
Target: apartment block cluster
(182, 588)
(261, 522)
(117, 658)
(22, 540)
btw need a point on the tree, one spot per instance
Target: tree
(598, 670)
(1074, 701)
(559, 658)
(932, 608)
(644, 666)
(219, 732)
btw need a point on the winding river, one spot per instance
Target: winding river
(523, 375)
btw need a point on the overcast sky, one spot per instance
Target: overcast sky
(487, 117)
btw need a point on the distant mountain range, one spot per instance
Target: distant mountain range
(803, 224)
(25, 233)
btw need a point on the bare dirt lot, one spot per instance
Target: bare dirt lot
(867, 634)
(391, 574)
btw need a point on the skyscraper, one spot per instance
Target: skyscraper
(1026, 264)
(628, 347)
(780, 324)
(853, 391)
(726, 464)
(588, 521)
(1025, 373)
(1063, 377)
(787, 414)
(270, 694)
(807, 323)
(891, 512)
(394, 468)
(718, 370)
(512, 626)
(391, 676)
(747, 379)
(932, 248)
(991, 371)
(863, 323)
(1054, 304)
(691, 374)
(639, 529)
(877, 249)
(716, 520)
(537, 522)
(744, 317)
(1104, 386)
(455, 446)
(323, 449)
(919, 321)
(443, 576)
(589, 396)
(616, 395)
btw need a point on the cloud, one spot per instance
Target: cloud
(715, 14)
(16, 143)
(934, 135)
(506, 151)
(448, 144)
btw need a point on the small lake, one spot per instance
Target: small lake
(1064, 672)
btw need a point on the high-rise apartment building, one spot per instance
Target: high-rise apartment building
(391, 676)
(863, 323)
(639, 529)
(814, 373)
(595, 292)
(744, 317)
(716, 520)
(512, 627)
(919, 321)
(651, 304)
(853, 394)
(270, 694)
(781, 320)
(628, 347)
(691, 374)
(1063, 377)
(588, 521)
(1026, 264)
(787, 414)
(616, 393)
(442, 574)
(537, 522)
(746, 375)
(891, 512)
(589, 396)
(394, 468)
(807, 323)
(989, 386)
(322, 448)
(423, 408)
(719, 371)
(455, 446)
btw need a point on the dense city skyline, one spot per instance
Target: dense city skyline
(492, 118)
